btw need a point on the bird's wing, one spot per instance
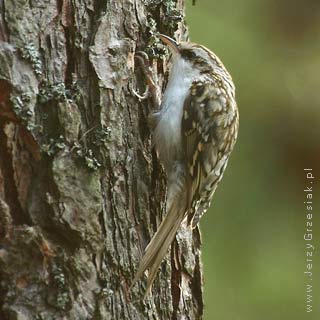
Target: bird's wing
(207, 141)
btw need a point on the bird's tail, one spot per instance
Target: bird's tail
(160, 243)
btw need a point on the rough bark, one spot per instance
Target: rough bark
(81, 189)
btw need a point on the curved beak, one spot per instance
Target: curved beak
(170, 42)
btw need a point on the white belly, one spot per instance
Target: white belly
(167, 135)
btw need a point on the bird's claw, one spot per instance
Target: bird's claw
(151, 89)
(142, 97)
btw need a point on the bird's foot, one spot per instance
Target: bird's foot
(152, 89)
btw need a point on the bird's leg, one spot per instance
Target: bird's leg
(152, 89)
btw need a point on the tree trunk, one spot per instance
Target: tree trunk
(81, 188)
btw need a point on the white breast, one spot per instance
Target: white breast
(167, 135)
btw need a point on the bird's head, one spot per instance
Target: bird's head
(199, 57)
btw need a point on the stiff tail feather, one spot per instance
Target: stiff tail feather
(159, 245)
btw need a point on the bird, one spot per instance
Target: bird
(195, 130)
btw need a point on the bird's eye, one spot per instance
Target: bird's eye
(192, 55)
(188, 54)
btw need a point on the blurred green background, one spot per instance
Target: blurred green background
(254, 253)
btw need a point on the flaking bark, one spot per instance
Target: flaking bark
(81, 189)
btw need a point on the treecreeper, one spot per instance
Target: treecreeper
(195, 130)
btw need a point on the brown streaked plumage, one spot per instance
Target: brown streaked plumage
(195, 132)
